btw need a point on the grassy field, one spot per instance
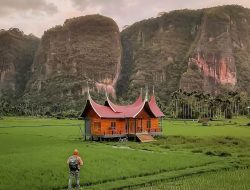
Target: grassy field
(34, 153)
(229, 179)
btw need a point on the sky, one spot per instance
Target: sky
(36, 16)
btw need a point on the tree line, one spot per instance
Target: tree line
(182, 105)
(13, 108)
(193, 105)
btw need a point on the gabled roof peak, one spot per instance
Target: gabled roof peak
(106, 94)
(88, 93)
(146, 95)
(111, 110)
(121, 108)
(154, 107)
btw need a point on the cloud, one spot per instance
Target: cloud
(36, 16)
(8, 7)
(126, 12)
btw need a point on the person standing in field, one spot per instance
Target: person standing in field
(74, 163)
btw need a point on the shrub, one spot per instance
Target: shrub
(71, 114)
(59, 116)
(48, 114)
(210, 153)
(218, 153)
(229, 114)
(223, 154)
(197, 151)
(204, 121)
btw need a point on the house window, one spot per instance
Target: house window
(148, 123)
(113, 125)
(97, 126)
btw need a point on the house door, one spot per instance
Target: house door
(132, 124)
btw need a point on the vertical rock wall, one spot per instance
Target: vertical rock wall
(222, 35)
(83, 49)
(16, 57)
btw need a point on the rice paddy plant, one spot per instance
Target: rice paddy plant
(229, 179)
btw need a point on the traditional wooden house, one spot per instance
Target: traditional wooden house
(143, 117)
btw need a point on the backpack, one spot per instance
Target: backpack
(73, 163)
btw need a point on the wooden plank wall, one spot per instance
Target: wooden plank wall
(105, 124)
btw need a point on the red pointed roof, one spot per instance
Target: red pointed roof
(104, 111)
(111, 110)
(154, 108)
(130, 111)
(119, 108)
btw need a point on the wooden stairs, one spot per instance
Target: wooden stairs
(144, 137)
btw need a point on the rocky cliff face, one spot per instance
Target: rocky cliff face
(83, 49)
(203, 50)
(223, 32)
(155, 52)
(16, 57)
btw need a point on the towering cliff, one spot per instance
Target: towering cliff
(223, 37)
(16, 57)
(83, 49)
(203, 50)
(155, 51)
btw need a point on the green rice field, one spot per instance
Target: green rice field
(188, 156)
(229, 179)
